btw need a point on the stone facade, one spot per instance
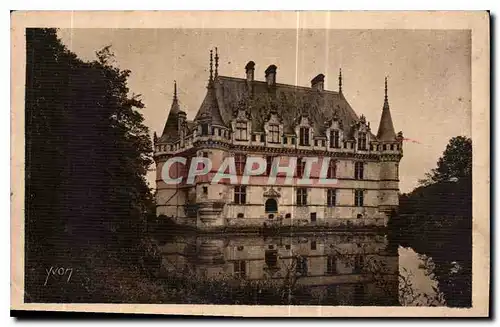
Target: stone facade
(243, 117)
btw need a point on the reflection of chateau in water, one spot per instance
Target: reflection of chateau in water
(337, 269)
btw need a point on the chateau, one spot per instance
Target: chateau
(242, 117)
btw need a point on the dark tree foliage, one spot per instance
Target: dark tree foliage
(87, 153)
(455, 164)
(436, 219)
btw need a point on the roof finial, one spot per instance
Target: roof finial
(216, 63)
(385, 90)
(340, 80)
(211, 66)
(175, 90)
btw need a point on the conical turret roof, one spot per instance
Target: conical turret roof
(386, 128)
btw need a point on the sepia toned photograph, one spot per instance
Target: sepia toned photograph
(289, 165)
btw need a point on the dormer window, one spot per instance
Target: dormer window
(304, 136)
(335, 139)
(362, 141)
(274, 134)
(241, 131)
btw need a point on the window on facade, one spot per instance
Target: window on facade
(240, 268)
(301, 196)
(313, 217)
(301, 166)
(384, 147)
(313, 245)
(269, 165)
(212, 131)
(205, 190)
(254, 137)
(284, 140)
(392, 147)
(304, 136)
(240, 215)
(301, 266)
(345, 145)
(293, 140)
(274, 134)
(358, 198)
(239, 160)
(240, 194)
(332, 169)
(359, 170)
(331, 197)
(358, 264)
(362, 141)
(315, 142)
(331, 265)
(241, 131)
(220, 132)
(271, 258)
(204, 129)
(288, 215)
(335, 139)
(262, 138)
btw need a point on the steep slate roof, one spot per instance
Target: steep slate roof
(290, 102)
(386, 128)
(209, 110)
(170, 131)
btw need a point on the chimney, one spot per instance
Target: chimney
(271, 75)
(250, 69)
(318, 83)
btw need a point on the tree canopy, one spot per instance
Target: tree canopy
(455, 163)
(87, 154)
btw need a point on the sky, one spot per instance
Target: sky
(429, 74)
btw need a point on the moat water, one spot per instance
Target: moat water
(308, 269)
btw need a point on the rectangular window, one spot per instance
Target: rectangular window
(262, 138)
(274, 134)
(269, 165)
(301, 196)
(335, 139)
(301, 166)
(331, 197)
(240, 160)
(313, 217)
(315, 142)
(362, 141)
(313, 245)
(332, 169)
(359, 170)
(331, 265)
(204, 129)
(293, 140)
(253, 137)
(301, 266)
(240, 194)
(284, 140)
(304, 136)
(240, 268)
(241, 132)
(358, 198)
(271, 258)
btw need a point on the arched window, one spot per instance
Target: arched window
(271, 205)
